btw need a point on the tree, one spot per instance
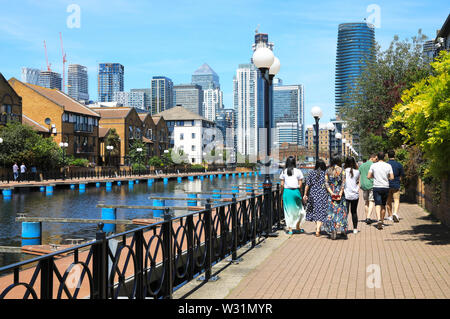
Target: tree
(22, 144)
(155, 161)
(137, 157)
(379, 88)
(113, 139)
(423, 118)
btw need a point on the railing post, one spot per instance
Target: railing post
(168, 256)
(208, 244)
(223, 231)
(100, 264)
(190, 246)
(139, 242)
(47, 278)
(234, 231)
(253, 216)
(268, 210)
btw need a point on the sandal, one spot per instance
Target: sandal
(317, 234)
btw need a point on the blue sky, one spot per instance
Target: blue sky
(173, 38)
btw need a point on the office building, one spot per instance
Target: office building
(355, 49)
(189, 96)
(161, 94)
(287, 132)
(206, 77)
(30, 75)
(130, 99)
(50, 80)
(77, 82)
(288, 107)
(147, 97)
(110, 80)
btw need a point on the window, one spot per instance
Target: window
(193, 147)
(193, 160)
(193, 135)
(181, 136)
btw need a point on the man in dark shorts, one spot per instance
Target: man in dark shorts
(394, 188)
(381, 172)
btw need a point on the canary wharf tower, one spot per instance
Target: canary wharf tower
(355, 48)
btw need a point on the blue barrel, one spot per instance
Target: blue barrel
(119, 183)
(220, 176)
(158, 212)
(191, 178)
(82, 187)
(240, 174)
(108, 184)
(97, 184)
(165, 180)
(179, 179)
(7, 192)
(233, 175)
(42, 188)
(227, 175)
(31, 233)
(150, 182)
(49, 189)
(109, 214)
(137, 181)
(202, 177)
(192, 202)
(72, 186)
(250, 174)
(130, 182)
(259, 173)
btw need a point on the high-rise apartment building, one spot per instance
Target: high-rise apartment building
(161, 94)
(189, 96)
(30, 75)
(50, 80)
(77, 82)
(288, 107)
(355, 49)
(212, 103)
(248, 95)
(110, 80)
(130, 99)
(147, 97)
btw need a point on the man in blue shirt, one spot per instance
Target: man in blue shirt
(394, 188)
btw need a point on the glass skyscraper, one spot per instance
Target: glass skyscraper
(206, 77)
(288, 107)
(110, 80)
(189, 96)
(355, 48)
(77, 82)
(162, 94)
(51, 80)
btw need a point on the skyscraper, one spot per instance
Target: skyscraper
(30, 75)
(248, 96)
(110, 80)
(51, 80)
(206, 77)
(147, 97)
(288, 107)
(77, 82)
(161, 94)
(355, 48)
(212, 103)
(189, 96)
(130, 99)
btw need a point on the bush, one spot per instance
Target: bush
(197, 166)
(138, 167)
(81, 162)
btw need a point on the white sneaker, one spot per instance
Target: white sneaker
(388, 218)
(355, 231)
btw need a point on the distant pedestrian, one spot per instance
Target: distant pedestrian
(23, 170)
(291, 183)
(381, 172)
(337, 211)
(316, 196)
(394, 187)
(15, 171)
(366, 185)
(351, 189)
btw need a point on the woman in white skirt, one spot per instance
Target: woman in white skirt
(291, 182)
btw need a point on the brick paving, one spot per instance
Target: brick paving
(413, 257)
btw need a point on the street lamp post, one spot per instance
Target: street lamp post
(109, 149)
(1, 142)
(316, 112)
(63, 146)
(269, 66)
(139, 150)
(330, 128)
(344, 145)
(338, 137)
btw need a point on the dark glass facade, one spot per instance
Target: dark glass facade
(110, 80)
(355, 48)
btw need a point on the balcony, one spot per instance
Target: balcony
(9, 117)
(83, 149)
(82, 127)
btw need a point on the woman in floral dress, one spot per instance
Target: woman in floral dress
(336, 222)
(316, 196)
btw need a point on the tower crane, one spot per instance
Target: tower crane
(64, 64)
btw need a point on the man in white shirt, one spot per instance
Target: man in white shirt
(381, 172)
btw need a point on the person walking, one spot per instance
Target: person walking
(291, 183)
(337, 211)
(366, 185)
(381, 172)
(351, 189)
(23, 170)
(15, 171)
(394, 187)
(316, 196)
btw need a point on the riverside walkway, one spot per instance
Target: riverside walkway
(410, 259)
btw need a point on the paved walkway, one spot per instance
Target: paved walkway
(412, 259)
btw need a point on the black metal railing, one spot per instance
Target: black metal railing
(63, 174)
(149, 261)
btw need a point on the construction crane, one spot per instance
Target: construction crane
(46, 58)
(64, 64)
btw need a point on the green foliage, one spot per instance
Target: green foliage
(197, 166)
(155, 161)
(22, 144)
(81, 162)
(135, 156)
(423, 118)
(113, 139)
(138, 167)
(379, 89)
